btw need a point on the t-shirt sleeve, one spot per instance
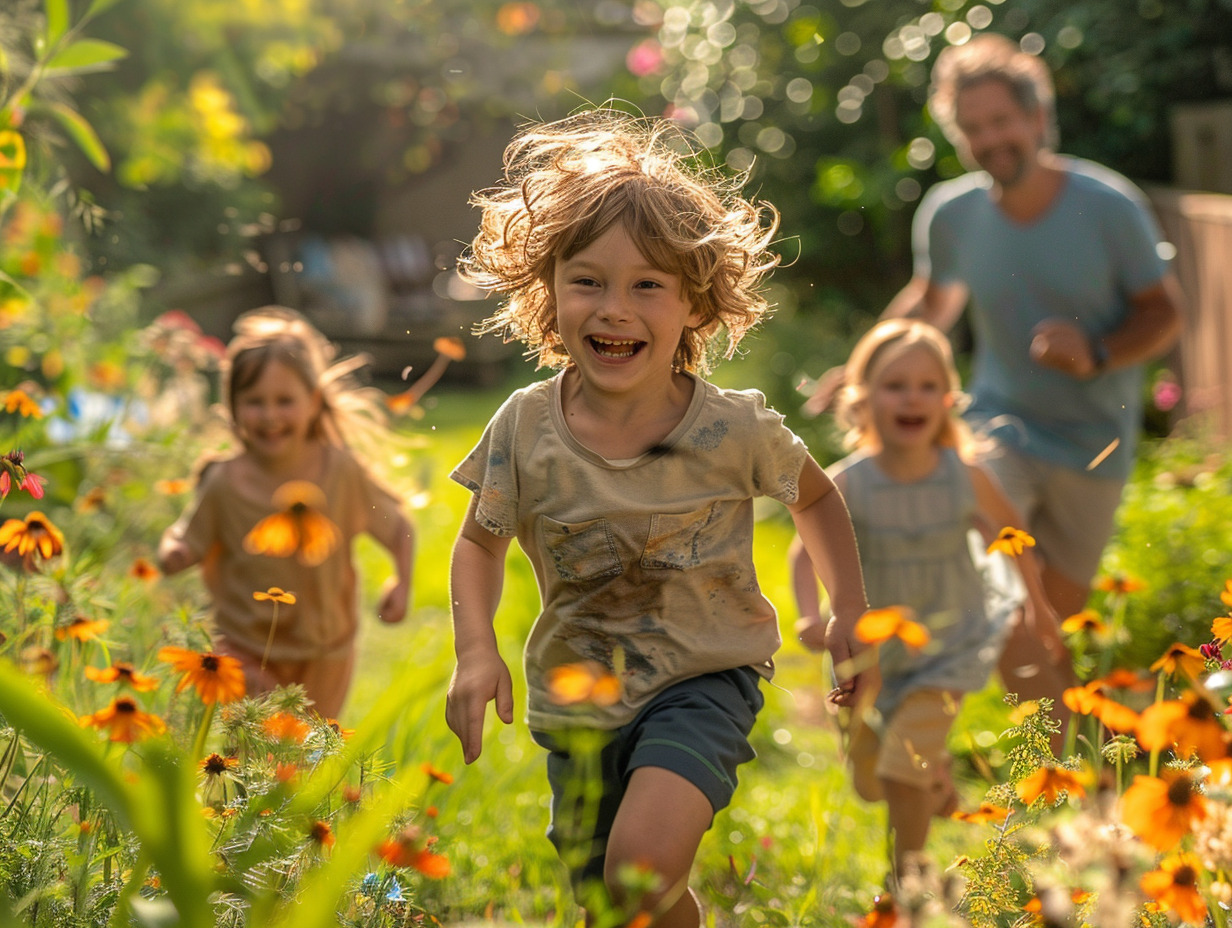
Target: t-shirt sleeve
(489, 472)
(374, 503)
(932, 239)
(778, 453)
(1137, 244)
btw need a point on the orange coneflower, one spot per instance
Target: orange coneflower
(20, 402)
(1119, 584)
(410, 849)
(299, 529)
(1011, 541)
(587, 681)
(1124, 679)
(1087, 620)
(1174, 886)
(275, 594)
(35, 534)
(987, 812)
(122, 672)
(125, 721)
(1221, 627)
(1182, 657)
(143, 569)
(878, 625)
(286, 727)
(1050, 782)
(1190, 724)
(321, 833)
(216, 677)
(174, 486)
(1090, 700)
(884, 913)
(1162, 810)
(439, 775)
(215, 765)
(82, 629)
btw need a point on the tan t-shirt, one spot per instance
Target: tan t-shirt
(325, 616)
(650, 558)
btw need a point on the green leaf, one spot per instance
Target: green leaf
(100, 6)
(85, 55)
(82, 133)
(57, 21)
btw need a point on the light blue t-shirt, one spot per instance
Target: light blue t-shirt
(1097, 246)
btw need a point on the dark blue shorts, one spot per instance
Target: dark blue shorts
(698, 728)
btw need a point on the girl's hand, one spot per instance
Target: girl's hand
(476, 683)
(811, 632)
(392, 607)
(1045, 624)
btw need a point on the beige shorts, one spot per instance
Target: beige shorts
(326, 680)
(908, 747)
(1070, 513)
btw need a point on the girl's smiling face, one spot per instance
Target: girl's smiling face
(909, 400)
(275, 413)
(620, 317)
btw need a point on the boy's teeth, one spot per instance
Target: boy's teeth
(614, 348)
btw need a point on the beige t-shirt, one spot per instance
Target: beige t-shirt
(325, 616)
(650, 558)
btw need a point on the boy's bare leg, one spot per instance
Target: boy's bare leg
(660, 824)
(1028, 669)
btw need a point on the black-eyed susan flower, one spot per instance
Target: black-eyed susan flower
(321, 834)
(215, 765)
(1119, 584)
(275, 594)
(216, 677)
(440, 776)
(1221, 627)
(20, 402)
(987, 812)
(299, 529)
(1011, 541)
(884, 913)
(13, 473)
(1091, 700)
(1050, 783)
(81, 628)
(124, 721)
(1087, 621)
(35, 534)
(1180, 657)
(1174, 886)
(583, 682)
(410, 849)
(174, 486)
(878, 625)
(123, 673)
(143, 569)
(1189, 724)
(1162, 810)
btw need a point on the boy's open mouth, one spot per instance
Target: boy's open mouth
(615, 348)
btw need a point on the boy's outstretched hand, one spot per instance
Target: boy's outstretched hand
(857, 675)
(472, 687)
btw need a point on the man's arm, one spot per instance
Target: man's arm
(938, 304)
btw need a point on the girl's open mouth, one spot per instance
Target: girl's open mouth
(615, 349)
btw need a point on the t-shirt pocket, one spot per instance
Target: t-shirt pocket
(581, 550)
(675, 540)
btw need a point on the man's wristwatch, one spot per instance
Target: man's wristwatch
(1099, 355)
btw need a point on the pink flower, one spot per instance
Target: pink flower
(13, 473)
(1166, 394)
(644, 58)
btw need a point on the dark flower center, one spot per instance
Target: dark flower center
(1180, 791)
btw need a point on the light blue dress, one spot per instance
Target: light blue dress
(917, 550)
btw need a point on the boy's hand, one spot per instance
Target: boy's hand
(473, 686)
(855, 666)
(392, 607)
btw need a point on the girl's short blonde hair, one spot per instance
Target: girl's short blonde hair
(883, 343)
(568, 182)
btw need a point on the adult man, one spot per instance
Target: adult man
(1061, 264)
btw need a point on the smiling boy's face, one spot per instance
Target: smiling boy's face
(620, 318)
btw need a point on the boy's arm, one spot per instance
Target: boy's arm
(396, 534)
(825, 531)
(997, 511)
(476, 578)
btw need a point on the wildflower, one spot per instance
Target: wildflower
(275, 594)
(216, 765)
(82, 629)
(1189, 723)
(878, 625)
(587, 681)
(1175, 887)
(142, 569)
(1050, 782)
(20, 402)
(1119, 584)
(410, 849)
(336, 727)
(173, 487)
(35, 534)
(1221, 628)
(1123, 679)
(1087, 620)
(92, 500)
(321, 833)
(883, 915)
(1212, 650)
(1226, 594)
(1182, 657)
(1011, 541)
(284, 726)
(216, 677)
(440, 776)
(122, 672)
(987, 812)
(285, 772)
(1090, 700)
(125, 721)
(13, 473)
(447, 348)
(299, 529)
(352, 793)
(1162, 810)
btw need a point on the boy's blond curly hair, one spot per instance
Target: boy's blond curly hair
(568, 182)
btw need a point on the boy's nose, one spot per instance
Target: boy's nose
(614, 307)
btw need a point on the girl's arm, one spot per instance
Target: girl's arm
(997, 511)
(173, 554)
(825, 531)
(396, 534)
(476, 578)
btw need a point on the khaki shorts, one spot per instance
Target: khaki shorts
(908, 747)
(1070, 513)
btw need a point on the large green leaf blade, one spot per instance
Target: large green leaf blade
(85, 55)
(82, 134)
(57, 21)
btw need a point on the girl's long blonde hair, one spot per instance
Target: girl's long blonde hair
(567, 182)
(883, 343)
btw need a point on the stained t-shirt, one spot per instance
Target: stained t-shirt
(644, 566)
